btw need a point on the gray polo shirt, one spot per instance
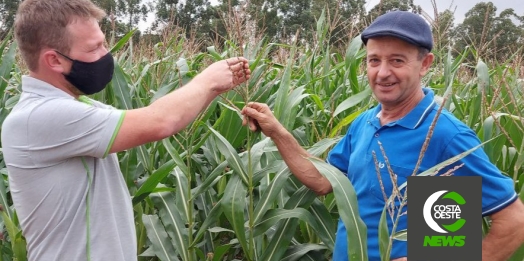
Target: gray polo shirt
(70, 196)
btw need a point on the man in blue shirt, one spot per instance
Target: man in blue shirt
(398, 46)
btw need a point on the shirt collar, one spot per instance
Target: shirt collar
(418, 114)
(39, 87)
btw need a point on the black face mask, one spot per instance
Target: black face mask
(91, 77)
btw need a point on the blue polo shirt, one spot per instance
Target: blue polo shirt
(402, 142)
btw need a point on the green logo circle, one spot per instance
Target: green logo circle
(444, 211)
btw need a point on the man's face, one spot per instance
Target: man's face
(87, 45)
(394, 70)
(87, 40)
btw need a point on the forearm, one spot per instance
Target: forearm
(499, 246)
(179, 108)
(506, 234)
(296, 159)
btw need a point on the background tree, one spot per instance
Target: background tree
(505, 32)
(344, 19)
(7, 15)
(193, 16)
(265, 15)
(296, 16)
(130, 12)
(110, 25)
(388, 5)
(442, 27)
(491, 35)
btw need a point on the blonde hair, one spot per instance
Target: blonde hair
(42, 24)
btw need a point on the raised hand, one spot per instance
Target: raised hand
(258, 116)
(224, 75)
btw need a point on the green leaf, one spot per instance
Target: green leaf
(284, 231)
(401, 235)
(210, 220)
(6, 65)
(295, 253)
(270, 194)
(231, 155)
(219, 230)
(233, 205)
(3, 197)
(345, 122)
(230, 126)
(18, 243)
(220, 252)
(173, 222)
(482, 77)
(281, 104)
(121, 88)
(122, 41)
(153, 181)
(210, 180)
(348, 208)
(273, 216)
(326, 225)
(182, 201)
(212, 51)
(162, 246)
(383, 236)
(352, 101)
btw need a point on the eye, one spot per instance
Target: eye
(98, 47)
(373, 61)
(397, 62)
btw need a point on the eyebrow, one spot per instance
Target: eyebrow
(389, 56)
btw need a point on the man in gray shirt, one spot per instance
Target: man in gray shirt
(59, 145)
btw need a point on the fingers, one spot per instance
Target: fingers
(256, 114)
(260, 107)
(239, 68)
(236, 60)
(253, 125)
(251, 122)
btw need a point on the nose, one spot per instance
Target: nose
(383, 70)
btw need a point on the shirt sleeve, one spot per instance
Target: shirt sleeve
(497, 189)
(63, 128)
(339, 155)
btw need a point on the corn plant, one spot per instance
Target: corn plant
(216, 191)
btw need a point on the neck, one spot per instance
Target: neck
(57, 82)
(390, 113)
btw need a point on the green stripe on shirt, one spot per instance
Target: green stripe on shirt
(119, 124)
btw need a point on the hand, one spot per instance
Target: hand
(224, 75)
(258, 116)
(400, 259)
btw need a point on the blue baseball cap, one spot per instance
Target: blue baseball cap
(405, 25)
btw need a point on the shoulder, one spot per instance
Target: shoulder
(448, 124)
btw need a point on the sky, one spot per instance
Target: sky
(462, 6)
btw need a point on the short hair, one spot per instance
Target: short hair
(42, 23)
(422, 52)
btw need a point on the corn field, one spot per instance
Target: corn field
(217, 191)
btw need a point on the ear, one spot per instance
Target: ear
(53, 61)
(426, 63)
